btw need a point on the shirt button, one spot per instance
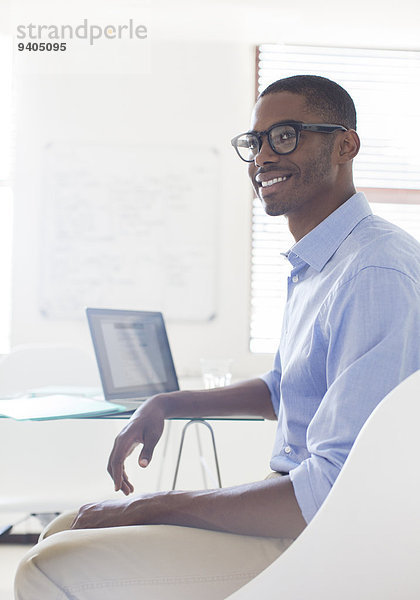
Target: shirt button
(295, 278)
(288, 450)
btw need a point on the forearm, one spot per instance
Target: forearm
(250, 397)
(266, 508)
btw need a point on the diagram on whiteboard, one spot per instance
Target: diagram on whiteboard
(128, 227)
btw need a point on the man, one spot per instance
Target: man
(350, 334)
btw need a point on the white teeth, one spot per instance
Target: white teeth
(273, 181)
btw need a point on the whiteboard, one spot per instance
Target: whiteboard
(129, 227)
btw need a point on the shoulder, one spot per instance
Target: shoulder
(376, 245)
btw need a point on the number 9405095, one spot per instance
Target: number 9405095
(42, 46)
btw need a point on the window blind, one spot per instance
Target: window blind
(385, 85)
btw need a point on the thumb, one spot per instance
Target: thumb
(146, 453)
(144, 458)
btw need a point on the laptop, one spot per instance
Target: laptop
(133, 355)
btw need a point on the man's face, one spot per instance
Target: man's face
(308, 172)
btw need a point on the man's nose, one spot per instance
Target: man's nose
(265, 154)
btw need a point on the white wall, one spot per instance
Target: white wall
(203, 90)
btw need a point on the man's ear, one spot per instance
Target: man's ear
(348, 145)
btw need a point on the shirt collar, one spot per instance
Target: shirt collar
(317, 247)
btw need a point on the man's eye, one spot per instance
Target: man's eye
(284, 135)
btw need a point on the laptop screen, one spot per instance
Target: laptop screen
(132, 351)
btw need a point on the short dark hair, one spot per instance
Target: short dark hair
(330, 99)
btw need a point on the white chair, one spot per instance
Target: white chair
(364, 543)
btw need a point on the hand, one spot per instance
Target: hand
(109, 513)
(145, 427)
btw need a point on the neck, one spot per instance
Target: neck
(301, 224)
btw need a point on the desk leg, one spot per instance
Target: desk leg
(184, 430)
(203, 463)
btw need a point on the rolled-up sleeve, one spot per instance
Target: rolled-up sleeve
(272, 380)
(371, 331)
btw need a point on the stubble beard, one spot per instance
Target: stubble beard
(304, 186)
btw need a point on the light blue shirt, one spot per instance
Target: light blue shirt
(351, 333)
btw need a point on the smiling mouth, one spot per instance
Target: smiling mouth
(271, 182)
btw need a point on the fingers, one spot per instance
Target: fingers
(145, 428)
(90, 516)
(107, 513)
(77, 523)
(79, 518)
(126, 487)
(72, 526)
(120, 478)
(115, 469)
(116, 466)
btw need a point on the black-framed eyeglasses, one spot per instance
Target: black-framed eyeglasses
(282, 137)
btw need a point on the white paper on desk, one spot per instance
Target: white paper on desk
(57, 406)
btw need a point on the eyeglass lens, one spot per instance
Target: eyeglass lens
(282, 139)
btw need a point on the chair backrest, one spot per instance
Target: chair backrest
(51, 465)
(364, 543)
(38, 365)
